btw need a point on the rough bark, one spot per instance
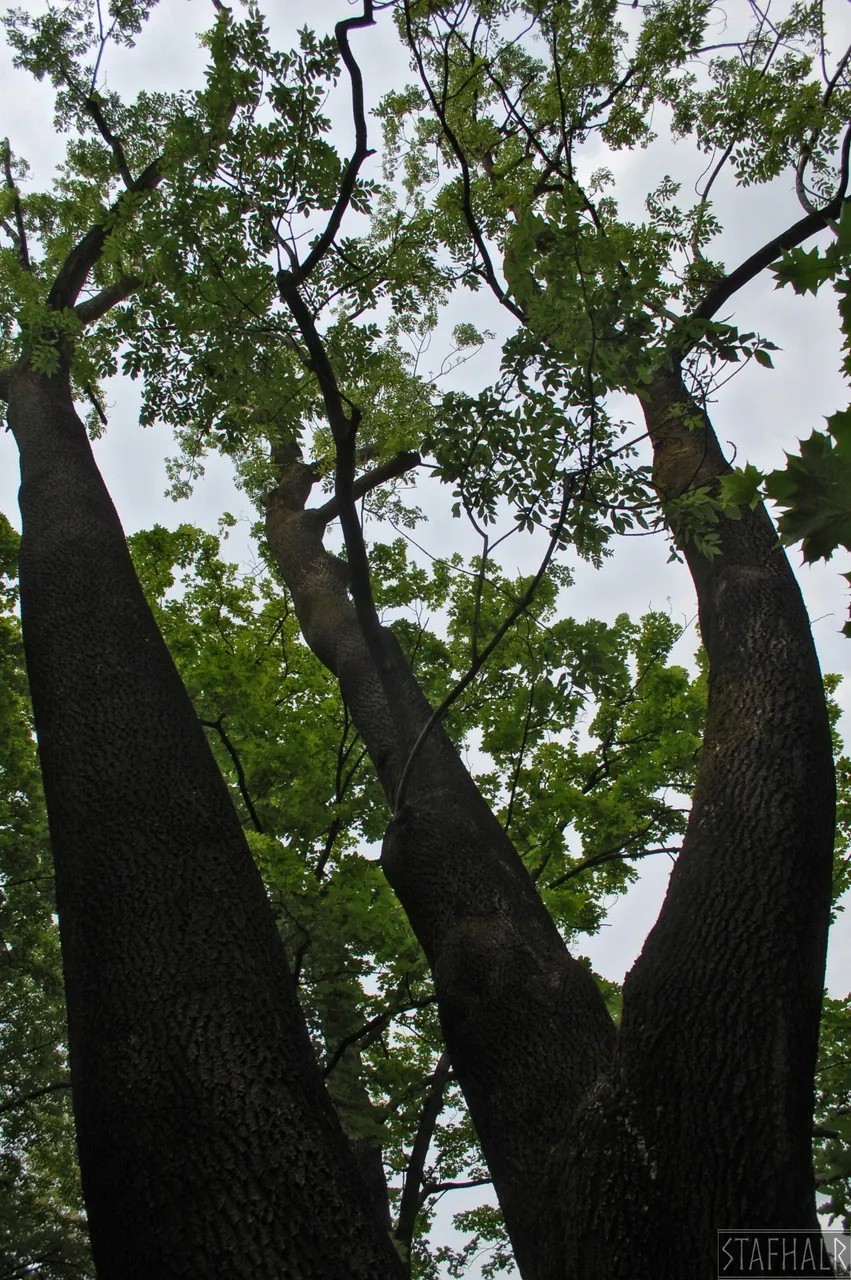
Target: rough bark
(525, 1026)
(208, 1146)
(705, 1123)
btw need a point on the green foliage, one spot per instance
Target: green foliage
(832, 1148)
(813, 492)
(585, 737)
(42, 1228)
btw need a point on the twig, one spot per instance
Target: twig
(482, 657)
(502, 295)
(609, 856)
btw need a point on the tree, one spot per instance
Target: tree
(185, 1036)
(590, 1130)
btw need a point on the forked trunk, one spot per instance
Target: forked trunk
(208, 1146)
(525, 1025)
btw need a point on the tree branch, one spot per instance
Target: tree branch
(371, 1029)
(21, 1098)
(502, 295)
(93, 107)
(800, 231)
(344, 431)
(389, 470)
(432, 1188)
(476, 666)
(411, 1201)
(76, 267)
(361, 151)
(610, 855)
(21, 233)
(93, 308)
(218, 725)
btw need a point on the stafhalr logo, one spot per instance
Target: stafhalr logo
(792, 1254)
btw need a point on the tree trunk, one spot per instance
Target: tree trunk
(706, 1120)
(525, 1025)
(208, 1146)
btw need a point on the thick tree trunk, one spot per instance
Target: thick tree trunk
(706, 1120)
(208, 1146)
(526, 1028)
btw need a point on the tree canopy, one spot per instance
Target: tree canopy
(275, 296)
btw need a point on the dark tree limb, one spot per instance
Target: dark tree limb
(361, 152)
(502, 973)
(412, 1193)
(75, 269)
(748, 270)
(20, 1099)
(219, 727)
(371, 1030)
(182, 1008)
(389, 470)
(20, 235)
(93, 107)
(719, 1031)
(92, 309)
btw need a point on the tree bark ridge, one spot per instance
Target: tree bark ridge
(707, 1116)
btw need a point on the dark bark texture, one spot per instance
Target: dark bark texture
(208, 1146)
(525, 1025)
(706, 1120)
(622, 1154)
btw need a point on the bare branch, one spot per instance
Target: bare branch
(93, 107)
(20, 236)
(412, 1199)
(361, 151)
(218, 725)
(389, 470)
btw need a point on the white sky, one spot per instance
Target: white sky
(761, 412)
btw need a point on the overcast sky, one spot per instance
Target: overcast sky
(760, 412)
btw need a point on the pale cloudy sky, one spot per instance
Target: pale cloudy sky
(760, 412)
